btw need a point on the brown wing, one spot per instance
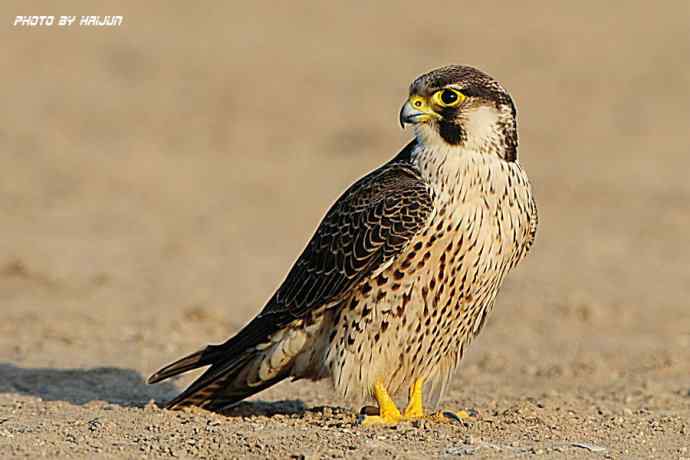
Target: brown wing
(368, 226)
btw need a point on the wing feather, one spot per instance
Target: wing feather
(369, 225)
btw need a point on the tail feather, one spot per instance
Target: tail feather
(190, 362)
(221, 394)
(222, 385)
(233, 375)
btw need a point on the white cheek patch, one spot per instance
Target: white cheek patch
(481, 123)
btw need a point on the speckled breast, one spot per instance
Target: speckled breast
(414, 318)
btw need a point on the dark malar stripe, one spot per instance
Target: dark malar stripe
(451, 132)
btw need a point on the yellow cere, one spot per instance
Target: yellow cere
(419, 103)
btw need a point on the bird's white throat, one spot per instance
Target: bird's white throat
(457, 170)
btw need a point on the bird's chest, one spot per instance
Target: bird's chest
(478, 230)
(463, 254)
(454, 265)
(480, 224)
(447, 276)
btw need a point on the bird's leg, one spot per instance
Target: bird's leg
(390, 415)
(388, 412)
(414, 407)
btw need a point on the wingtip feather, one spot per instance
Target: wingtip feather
(188, 363)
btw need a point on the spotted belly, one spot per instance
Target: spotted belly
(414, 319)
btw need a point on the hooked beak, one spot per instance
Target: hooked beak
(416, 110)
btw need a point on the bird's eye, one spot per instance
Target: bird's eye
(448, 97)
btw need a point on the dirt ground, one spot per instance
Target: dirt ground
(158, 180)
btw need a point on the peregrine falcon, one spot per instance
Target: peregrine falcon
(403, 269)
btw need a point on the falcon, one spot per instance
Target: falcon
(403, 269)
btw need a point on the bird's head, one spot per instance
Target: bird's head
(460, 106)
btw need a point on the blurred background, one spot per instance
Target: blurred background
(159, 178)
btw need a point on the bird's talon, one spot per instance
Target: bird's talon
(471, 413)
(452, 416)
(461, 416)
(369, 410)
(373, 420)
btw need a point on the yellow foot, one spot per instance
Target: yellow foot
(388, 412)
(372, 420)
(414, 408)
(445, 416)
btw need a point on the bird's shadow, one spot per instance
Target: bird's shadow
(266, 408)
(124, 387)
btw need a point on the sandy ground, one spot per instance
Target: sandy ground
(159, 179)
